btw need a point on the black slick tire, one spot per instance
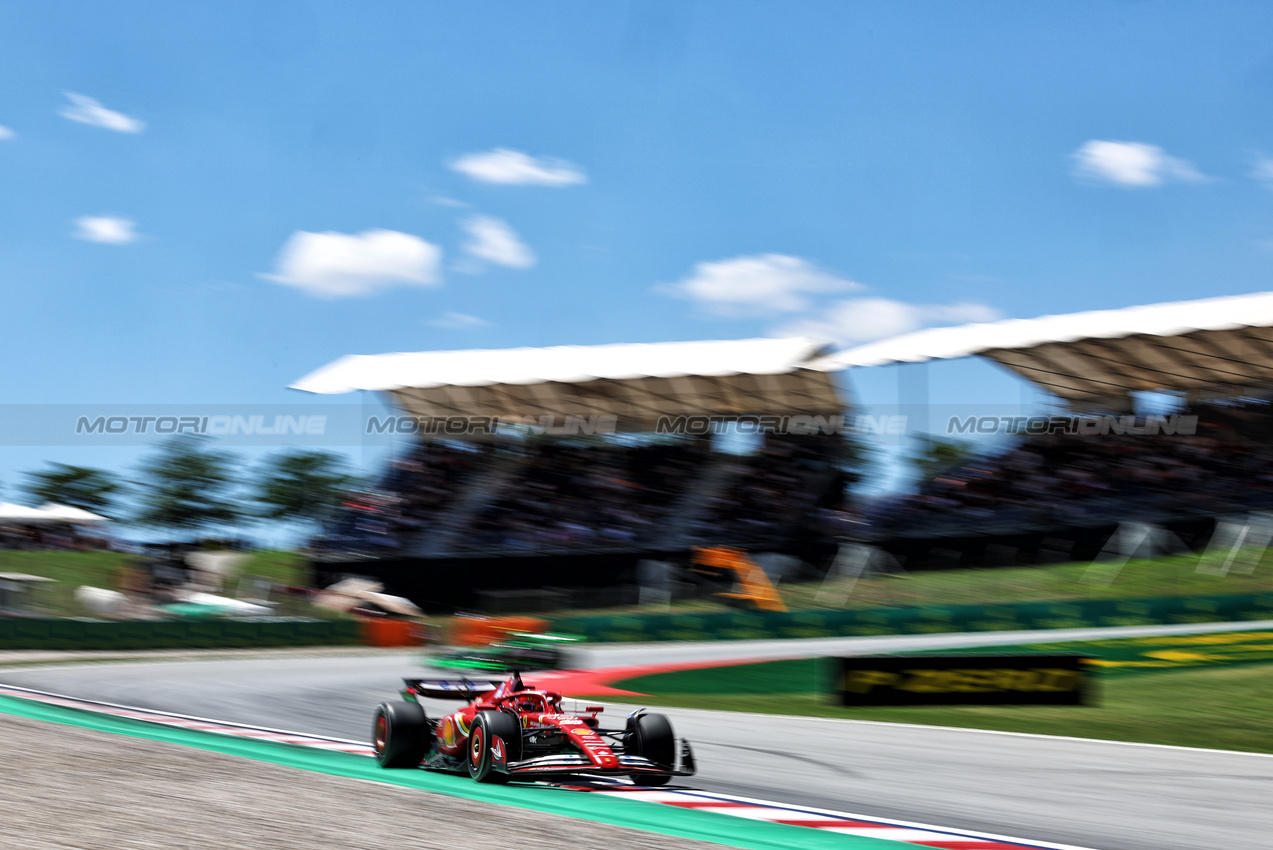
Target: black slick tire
(650, 735)
(401, 734)
(486, 727)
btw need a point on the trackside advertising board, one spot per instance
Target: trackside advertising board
(963, 680)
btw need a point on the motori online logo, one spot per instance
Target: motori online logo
(222, 425)
(793, 424)
(1175, 424)
(458, 426)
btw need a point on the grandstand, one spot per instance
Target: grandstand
(582, 462)
(567, 466)
(1060, 494)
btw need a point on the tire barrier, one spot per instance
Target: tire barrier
(761, 625)
(173, 634)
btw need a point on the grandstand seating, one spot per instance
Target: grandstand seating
(444, 499)
(1049, 481)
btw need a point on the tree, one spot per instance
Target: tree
(935, 455)
(79, 486)
(187, 486)
(300, 486)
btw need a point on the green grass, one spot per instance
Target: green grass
(1158, 653)
(1224, 708)
(69, 570)
(1168, 576)
(279, 567)
(106, 570)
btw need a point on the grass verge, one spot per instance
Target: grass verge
(106, 569)
(1226, 708)
(1169, 576)
(1175, 575)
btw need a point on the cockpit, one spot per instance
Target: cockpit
(532, 702)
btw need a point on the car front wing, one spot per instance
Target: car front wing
(571, 764)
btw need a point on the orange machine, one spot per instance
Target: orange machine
(752, 587)
(390, 631)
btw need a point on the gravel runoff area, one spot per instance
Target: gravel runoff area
(25, 657)
(69, 787)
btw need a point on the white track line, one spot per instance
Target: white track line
(184, 721)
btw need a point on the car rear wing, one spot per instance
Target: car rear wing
(457, 689)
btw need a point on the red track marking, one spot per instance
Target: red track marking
(598, 683)
(827, 824)
(968, 845)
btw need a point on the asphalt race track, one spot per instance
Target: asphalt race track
(1086, 793)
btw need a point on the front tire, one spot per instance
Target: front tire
(486, 727)
(401, 734)
(650, 735)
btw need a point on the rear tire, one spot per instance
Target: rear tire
(486, 727)
(401, 734)
(650, 735)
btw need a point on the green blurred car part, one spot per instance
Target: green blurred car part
(513, 651)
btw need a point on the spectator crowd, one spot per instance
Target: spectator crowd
(576, 495)
(546, 495)
(564, 495)
(407, 500)
(64, 536)
(585, 496)
(1041, 481)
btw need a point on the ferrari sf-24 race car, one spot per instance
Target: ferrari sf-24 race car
(511, 730)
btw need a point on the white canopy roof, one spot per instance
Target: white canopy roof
(69, 513)
(21, 513)
(1224, 345)
(563, 363)
(48, 512)
(636, 383)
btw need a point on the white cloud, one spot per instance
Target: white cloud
(492, 240)
(6, 133)
(107, 229)
(443, 201)
(1263, 171)
(336, 265)
(88, 110)
(458, 321)
(865, 319)
(755, 285)
(514, 168)
(1132, 164)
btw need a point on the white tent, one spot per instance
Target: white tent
(10, 512)
(634, 383)
(46, 513)
(69, 513)
(1220, 346)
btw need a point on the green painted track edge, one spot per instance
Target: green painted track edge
(665, 820)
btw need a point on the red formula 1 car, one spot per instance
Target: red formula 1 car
(510, 730)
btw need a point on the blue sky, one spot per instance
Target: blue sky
(201, 202)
